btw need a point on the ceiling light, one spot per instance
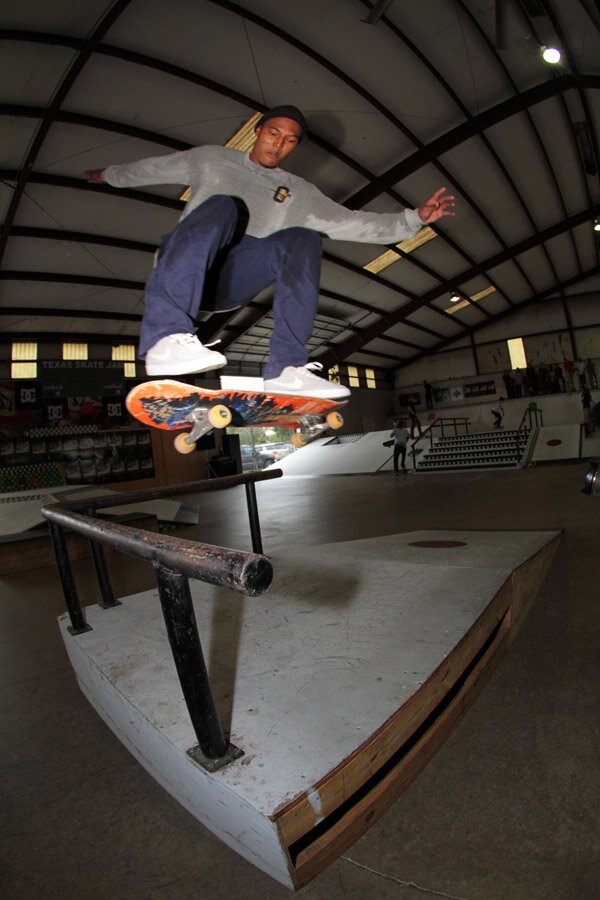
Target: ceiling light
(596, 224)
(454, 297)
(464, 302)
(550, 54)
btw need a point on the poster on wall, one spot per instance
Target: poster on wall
(27, 395)
(20, 408)
(113, 410)
(55, 411)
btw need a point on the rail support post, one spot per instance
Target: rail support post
(213, 751)
(253, 517)
(78, 624)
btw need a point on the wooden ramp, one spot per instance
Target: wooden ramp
(339, 684)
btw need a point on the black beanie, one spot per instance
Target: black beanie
(285, 112)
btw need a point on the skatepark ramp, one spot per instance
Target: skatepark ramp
(335, 690)
(366, 454)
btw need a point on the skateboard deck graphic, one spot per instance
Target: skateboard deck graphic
(173, 405)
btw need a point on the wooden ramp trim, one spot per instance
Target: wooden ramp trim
(317, 827)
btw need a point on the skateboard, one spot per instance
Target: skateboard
(172, 405)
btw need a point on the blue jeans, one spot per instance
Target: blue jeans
(399, 451)
(208, 262)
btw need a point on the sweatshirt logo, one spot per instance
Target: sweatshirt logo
(281, 193)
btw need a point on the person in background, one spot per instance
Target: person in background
(428, 395)
(508, 383)
(586, 403)
(532, 381)
(519, 377)
(581, 366)
(497, 411)
(559, 379)
(570, 374)
(590, 371)
(400, 436)
(413, 419)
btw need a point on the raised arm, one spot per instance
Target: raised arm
(438, 205)
(173, 168)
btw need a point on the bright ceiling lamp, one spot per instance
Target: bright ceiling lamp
(596, 224)
(389, 257)
(454, 297)
(550, 54)
(473, 299)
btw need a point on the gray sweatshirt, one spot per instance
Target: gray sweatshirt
(211, 170)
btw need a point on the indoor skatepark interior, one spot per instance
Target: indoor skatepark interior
(506, 808)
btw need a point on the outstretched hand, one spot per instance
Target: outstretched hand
(438, 205)
(94, 175)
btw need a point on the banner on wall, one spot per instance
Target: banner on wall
(54, 411)
(27, 395)
(69, 378)
(113, 409)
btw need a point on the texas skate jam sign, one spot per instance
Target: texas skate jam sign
(70, 378)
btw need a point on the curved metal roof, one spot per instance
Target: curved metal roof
(444, 92)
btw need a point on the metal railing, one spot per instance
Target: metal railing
(175, 560)
(442, 423)
(532, 418)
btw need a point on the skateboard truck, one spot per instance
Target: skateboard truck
(314, 426)
(203, 419)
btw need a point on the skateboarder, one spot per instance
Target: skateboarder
(497, 410)
(247, 225)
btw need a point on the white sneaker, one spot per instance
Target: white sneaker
(181, 354)
(301, 382)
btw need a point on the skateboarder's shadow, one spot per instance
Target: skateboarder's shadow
(291, 606)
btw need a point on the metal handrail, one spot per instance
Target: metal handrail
(438, 422)
(248, 479)
(175, 560)
(521, 441)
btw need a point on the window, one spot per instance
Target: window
(333, 374)
(516, 351)
(24, 360)
(353, 379)
(370, 375)
(74, 351)
(126, 354)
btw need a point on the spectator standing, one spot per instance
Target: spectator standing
(428, 395)
(581, 365)
(413, 419)
(543, 378)
(400, 436)
(532, 380)
(570, 374)
(518, 379)
(560, 381)
(508, 383)
(590, 370)
(586, 403)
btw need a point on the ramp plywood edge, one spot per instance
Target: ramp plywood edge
(366, 784)
(339, 685)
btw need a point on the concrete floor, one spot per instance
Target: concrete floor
(509, 808)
